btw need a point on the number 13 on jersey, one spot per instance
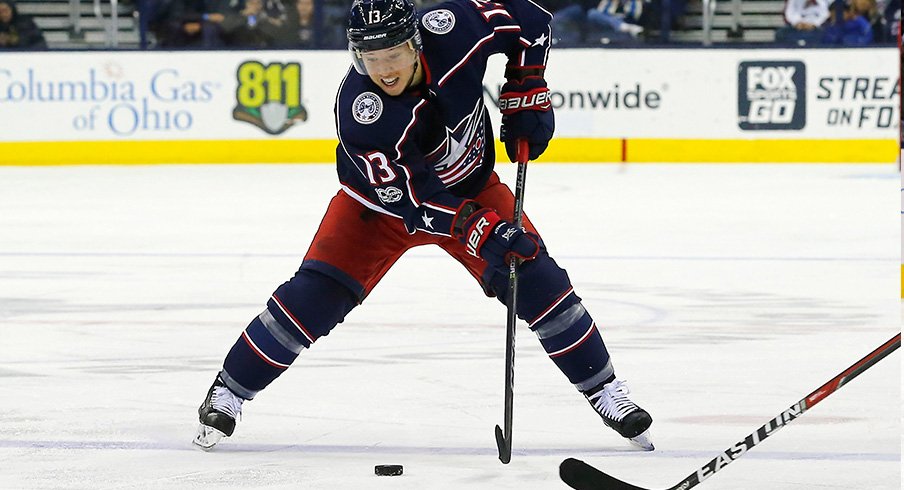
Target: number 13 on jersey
(378, 169)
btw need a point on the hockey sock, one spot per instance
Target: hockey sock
(302, 310)
(571, 339)
(259, 356)
(548, 303)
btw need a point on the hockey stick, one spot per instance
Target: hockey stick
(504, 437)
(581, 476)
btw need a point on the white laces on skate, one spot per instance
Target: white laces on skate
(612, 401)
(227, 402)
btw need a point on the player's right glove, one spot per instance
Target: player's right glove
(495, 240)
(526, 114)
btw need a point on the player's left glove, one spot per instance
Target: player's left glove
(492, 238)
(526, 114)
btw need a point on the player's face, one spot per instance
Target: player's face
(392, 69)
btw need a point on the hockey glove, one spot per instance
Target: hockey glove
(526, 113)
(494, 239)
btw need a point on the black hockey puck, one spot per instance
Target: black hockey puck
(388, 469)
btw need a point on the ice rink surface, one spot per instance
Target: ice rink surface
(725, 293)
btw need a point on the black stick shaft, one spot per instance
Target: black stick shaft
(582, 476)
(789, 415)
(504, 436)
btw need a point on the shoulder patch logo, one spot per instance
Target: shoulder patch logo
(367, 108)
(439, 21)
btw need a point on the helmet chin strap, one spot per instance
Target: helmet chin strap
(417, 65)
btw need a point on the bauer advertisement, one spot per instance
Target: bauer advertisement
(611, 105)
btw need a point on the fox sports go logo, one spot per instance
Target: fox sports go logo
(771, 95)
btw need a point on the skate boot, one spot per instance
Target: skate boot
(612, 403)
(217, 415)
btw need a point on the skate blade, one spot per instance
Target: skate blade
(207, 437)
(643, 441)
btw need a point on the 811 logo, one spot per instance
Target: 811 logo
(269, 96)
(772, 95)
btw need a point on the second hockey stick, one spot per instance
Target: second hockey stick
(582, 476)
(504, 437)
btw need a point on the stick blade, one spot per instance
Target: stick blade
(504, 446)
(581, 476)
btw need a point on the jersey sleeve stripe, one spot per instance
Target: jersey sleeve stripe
(477, 46)
(437, 233)
(411, 195)
(441, 208)
(535, 4)
(339, 130)
(398, 149)
(414, 111)
(548, 44)
(488, 14)
(365, 201)
(465, 59)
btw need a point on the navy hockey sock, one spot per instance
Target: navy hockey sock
(571, 339)
(258, 357)
(547, 302)
(302, 310)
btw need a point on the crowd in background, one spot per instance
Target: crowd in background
(248, 23)
(807, 22)
(18, 31)
(320, 23)
(845, 23)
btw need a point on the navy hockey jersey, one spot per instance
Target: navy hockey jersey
(419, 155)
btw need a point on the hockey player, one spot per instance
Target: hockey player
(415, 162)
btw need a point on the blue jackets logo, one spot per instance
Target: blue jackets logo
(269, 96)
(772, 95)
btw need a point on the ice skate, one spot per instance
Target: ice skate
(217, 415)
(632, 422)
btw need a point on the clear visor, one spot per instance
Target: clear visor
(386, 61)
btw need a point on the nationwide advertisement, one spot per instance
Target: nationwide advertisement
(610, 105)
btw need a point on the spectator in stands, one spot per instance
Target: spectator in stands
(301, 27)
(587, 21)
(617, 16)
(804, 20)
(258, 25)
(853, 29)
(18, 31)
(869, 9)
(891, 22)
(568, 20)
(194, 23)
(884, 31)
(652, 17)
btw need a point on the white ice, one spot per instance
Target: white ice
(725, 293)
